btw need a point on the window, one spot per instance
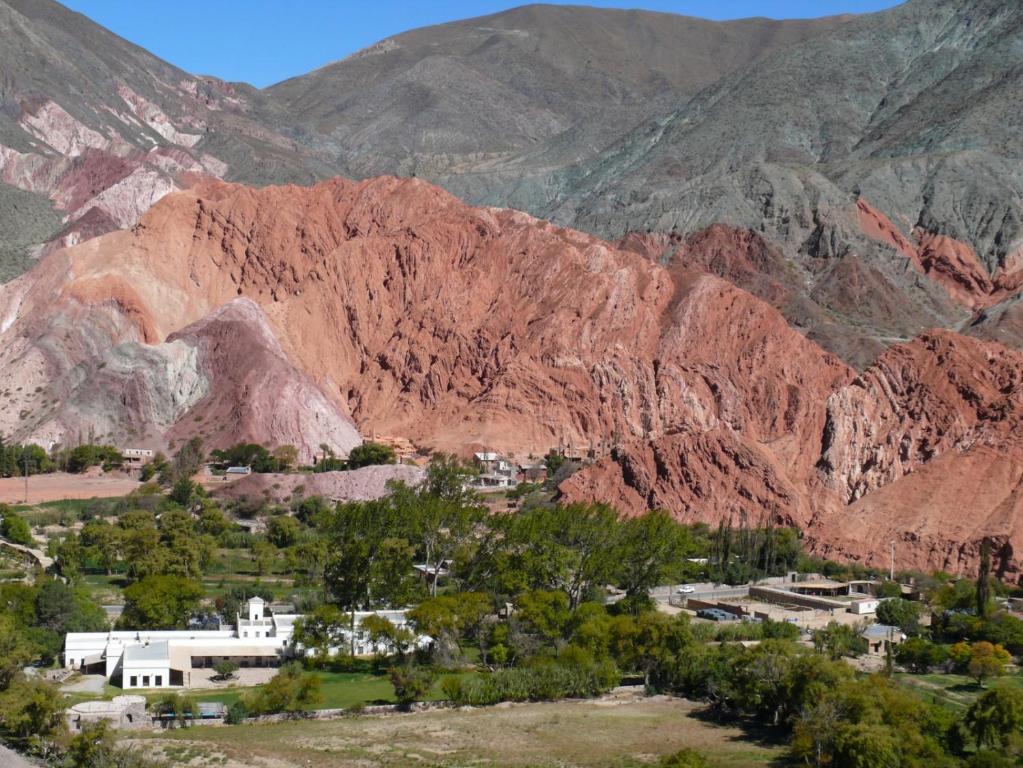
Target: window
(257, 634)
(134, 681)
(245, 634)
(145, 681)
(159, 680)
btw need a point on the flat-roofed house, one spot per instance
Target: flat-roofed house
(880, 636)
(138, 659)
(136, 458)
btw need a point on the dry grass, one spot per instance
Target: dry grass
(609, 732)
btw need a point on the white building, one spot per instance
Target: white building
(166, 658)
(495, 471)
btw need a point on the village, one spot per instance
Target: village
(236, 588)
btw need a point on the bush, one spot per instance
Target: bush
(685, 758)
(411, 684)
(370, 453)
(920, 655)
(236, 713)
(544, 682)
(290, 690)
(14, 527)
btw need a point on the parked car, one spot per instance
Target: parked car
(686, 589)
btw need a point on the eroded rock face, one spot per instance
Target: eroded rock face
(941, 392)
(254, 393)
(391, 302)
(923, 448)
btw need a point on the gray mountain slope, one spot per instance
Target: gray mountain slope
(483, 105)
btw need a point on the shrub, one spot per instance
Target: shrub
(685, 758)
(236, 713)
(14, 527)
(544, 682)
(411, 684)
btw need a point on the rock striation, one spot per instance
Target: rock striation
(302, 314)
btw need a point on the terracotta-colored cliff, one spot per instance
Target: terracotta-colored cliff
(277, 314)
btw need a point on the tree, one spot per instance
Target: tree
(545, 614)
(283, 531)
(102, 543)
(183, 491)
(838, 640)
(284, 457)
(369, 555)
(383, 632)
(862, 745)
(904, 614)
(411, 684)
(652, 548)
(321, 629)
(187, 462)
(225, 669)
(568, 548)
(140, 544)
(987, 660)
(252, 455)
(160, 602)
(449, 618)
(213, 522)
(984, 580)
(14, 527)
(63, 609)
(31, 707)
(263, 556)
(446, 513)
(920, 655)
(370, 453)
(16, 650)
(995, 716)
(553, 460)
(889, 589)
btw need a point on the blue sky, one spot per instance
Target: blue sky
(265, 41)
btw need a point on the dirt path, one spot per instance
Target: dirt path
(38, 555)
(58, 486)
(11, 759)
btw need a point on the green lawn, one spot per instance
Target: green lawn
(339, 690)
(956, 692)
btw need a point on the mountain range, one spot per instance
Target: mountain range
(767, 270)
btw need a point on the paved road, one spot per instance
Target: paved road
(702, 591)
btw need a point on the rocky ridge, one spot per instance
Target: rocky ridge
(393, 304)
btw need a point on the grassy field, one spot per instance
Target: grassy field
(339, 690)
(957, 692)
(565, 734)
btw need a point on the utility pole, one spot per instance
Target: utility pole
(892, 574)
(24, 460)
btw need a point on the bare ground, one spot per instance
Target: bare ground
(567, 734)
(58, 486)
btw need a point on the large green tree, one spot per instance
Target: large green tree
(995, 717)
(160, 602)
(370, 453)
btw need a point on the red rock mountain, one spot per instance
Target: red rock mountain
(285, 314)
